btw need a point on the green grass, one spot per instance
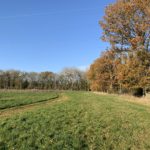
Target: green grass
(19, 98)
(83, 122)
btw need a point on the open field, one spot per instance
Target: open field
(10, 99)
(78, 120)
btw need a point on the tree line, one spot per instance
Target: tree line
(68, 79)
(125, 66)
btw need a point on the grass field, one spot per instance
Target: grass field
(84, 121)
(10, 99)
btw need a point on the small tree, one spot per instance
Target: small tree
(102, 72)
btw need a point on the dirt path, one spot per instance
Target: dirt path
(26, 108)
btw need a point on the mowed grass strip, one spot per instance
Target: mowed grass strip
(85, 121)
(9, 99)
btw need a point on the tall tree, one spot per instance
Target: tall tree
(126, 24)
(126, 27)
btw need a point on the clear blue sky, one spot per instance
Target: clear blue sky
(40, 35)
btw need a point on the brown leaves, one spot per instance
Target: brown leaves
(112, 71)
(126, 22)
(102, 73)
(126, 26)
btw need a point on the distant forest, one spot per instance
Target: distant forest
(68, 79)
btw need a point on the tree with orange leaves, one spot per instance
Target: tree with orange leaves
(102, 72)
(126, 25)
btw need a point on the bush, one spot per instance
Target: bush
(138, 92)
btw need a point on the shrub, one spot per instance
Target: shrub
(138, 92)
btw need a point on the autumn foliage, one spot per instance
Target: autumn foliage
(126, 65)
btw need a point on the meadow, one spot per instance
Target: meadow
(78, 121)
(14, 98)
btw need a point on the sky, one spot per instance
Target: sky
(49, 35)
